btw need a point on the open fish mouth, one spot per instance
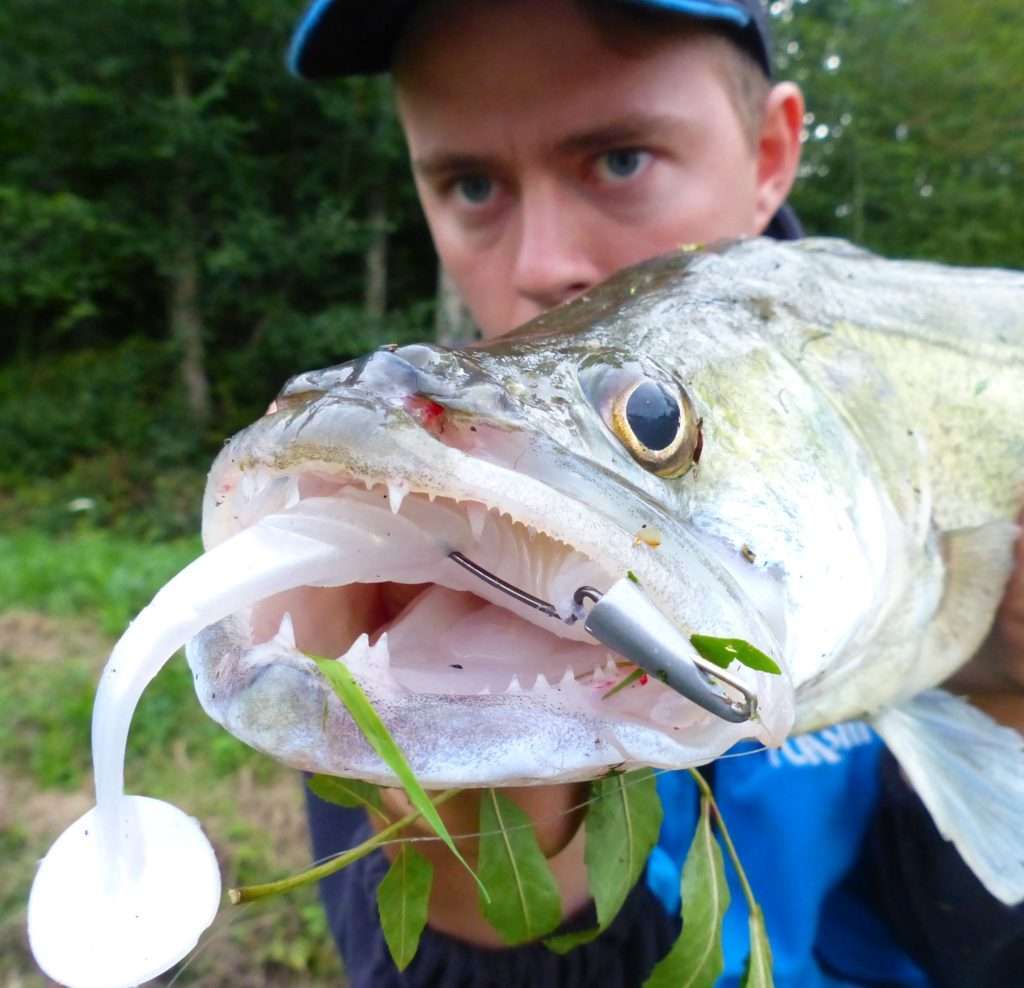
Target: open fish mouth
(477, 687)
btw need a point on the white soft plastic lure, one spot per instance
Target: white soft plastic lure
(826, 444)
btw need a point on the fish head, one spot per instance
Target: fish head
(610, 437)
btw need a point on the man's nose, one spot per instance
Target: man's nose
(552, 260)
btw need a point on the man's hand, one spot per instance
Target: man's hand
(454, 909)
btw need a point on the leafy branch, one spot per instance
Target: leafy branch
(248, 893)
(622, 824)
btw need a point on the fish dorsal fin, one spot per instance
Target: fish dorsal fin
(969, 771)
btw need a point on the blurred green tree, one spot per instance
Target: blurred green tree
(915, 127)
(163, 176)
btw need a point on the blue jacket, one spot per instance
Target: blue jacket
(798, 817)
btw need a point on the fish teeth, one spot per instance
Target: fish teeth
(610, 667)
(568, 678)
(367, 659)
(514, 686)
(286, 631)
(541, 684)
(596, 674)
(397, 491)
(476, 514)
(355, 654)
(379, 655)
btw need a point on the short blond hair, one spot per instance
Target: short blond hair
(630, 28)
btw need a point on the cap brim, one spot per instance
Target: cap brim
(338, 39)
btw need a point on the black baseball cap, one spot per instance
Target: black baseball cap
(352, 37)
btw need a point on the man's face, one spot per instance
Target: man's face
(546, 161)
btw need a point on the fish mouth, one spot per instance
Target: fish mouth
(430, 627)
(477, 688)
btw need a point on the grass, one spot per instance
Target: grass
(62, 603)
(91, 573)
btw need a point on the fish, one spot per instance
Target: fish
(850, 464)
(802, 446)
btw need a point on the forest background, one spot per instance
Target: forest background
(183, 226)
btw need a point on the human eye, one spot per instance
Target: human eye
(620, 164)
(474, 189)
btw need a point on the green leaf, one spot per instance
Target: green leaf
(723, 651)
(623, 683)
(359, 707)
(348, 792)
(695, 960)
(402, 899)
(526, 903)
(759, 964)
(623, 821)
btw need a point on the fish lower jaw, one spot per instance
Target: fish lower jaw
(548, 731)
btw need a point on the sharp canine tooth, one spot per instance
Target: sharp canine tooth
(370, 661)
(542, 682)
(513, 686)
(568, 677)
(397, 490)
(476, 513)
(286, 632)
(356, 652)
(379, 655)
(596, 674)
(610, 667)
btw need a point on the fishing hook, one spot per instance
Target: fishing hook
(628, 623)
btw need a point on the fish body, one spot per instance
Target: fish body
(859, 441)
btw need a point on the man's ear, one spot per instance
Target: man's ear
(778, 149)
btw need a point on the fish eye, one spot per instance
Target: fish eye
(658, 427)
